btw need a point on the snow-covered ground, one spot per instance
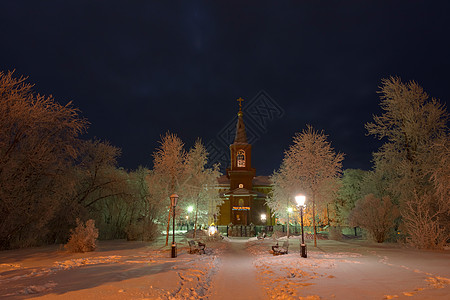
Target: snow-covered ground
(231, 269)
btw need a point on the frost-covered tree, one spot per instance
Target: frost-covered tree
(440, 174)
(309, 166)
(284, 189)
(187, 175)
(349, 193)
(96, 179)
(146, 211)
(38, 146)
(168, 162)
(199, 185)
(412, 126)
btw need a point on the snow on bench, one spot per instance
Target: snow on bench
(277, 250)
(196, 247)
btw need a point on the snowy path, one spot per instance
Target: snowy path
(239, 269)
(236, 278)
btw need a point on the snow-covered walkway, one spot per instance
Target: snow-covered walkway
(236, 278)
(231, 269)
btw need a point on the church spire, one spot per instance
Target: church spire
(241, 135)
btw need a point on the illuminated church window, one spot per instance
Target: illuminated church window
(241, 202)
(240, 158)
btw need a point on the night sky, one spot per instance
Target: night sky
(137, 69)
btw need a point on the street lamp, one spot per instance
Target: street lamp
(173, 200)
(263, 218)
(300, 199)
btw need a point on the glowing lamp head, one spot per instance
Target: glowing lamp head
(190, 209)
(174, 199)
(263, 217)
(289, 209)
(300, 199)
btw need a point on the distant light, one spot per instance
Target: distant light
(290, 209)
(300, 200)
(263, 217)
(212, 230)
(187, 217)
(190, 209)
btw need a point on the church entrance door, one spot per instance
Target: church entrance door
(240, 217)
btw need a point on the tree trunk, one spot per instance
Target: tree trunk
(172, 185)
(287, 224)
(314, 221)
(195, 220)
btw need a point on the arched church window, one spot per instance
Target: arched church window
(241, 202)
(240, 158)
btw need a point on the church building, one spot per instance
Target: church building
(244, 194)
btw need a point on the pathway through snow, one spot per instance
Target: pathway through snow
(236, 278)
(231, 269)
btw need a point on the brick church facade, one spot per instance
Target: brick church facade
(244, 194)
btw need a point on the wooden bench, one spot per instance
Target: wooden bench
(261, 236)
(277, 250)
(196, 247)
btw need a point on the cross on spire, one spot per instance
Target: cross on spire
(240, 103)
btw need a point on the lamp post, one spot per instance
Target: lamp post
(264, 222)
(174, 199)
(300, 199)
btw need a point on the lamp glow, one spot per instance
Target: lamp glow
(300, 199)
(212, 230)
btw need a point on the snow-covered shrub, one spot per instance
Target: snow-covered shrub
(422, 226)
(375, 215)
(214, 237)
(83, 237)
(335, 233)
(277, 234)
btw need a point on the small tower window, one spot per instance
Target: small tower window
(240, 159)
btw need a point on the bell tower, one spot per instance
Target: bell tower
(241, 174)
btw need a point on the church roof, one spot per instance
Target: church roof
(243, 192)
(223, 180)
(262, 180)
(240, 192)
(257, 181)
(241, 135)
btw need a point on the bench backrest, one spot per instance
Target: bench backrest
(191, 243)
(286, 244)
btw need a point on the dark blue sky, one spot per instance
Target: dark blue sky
(139, 68)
